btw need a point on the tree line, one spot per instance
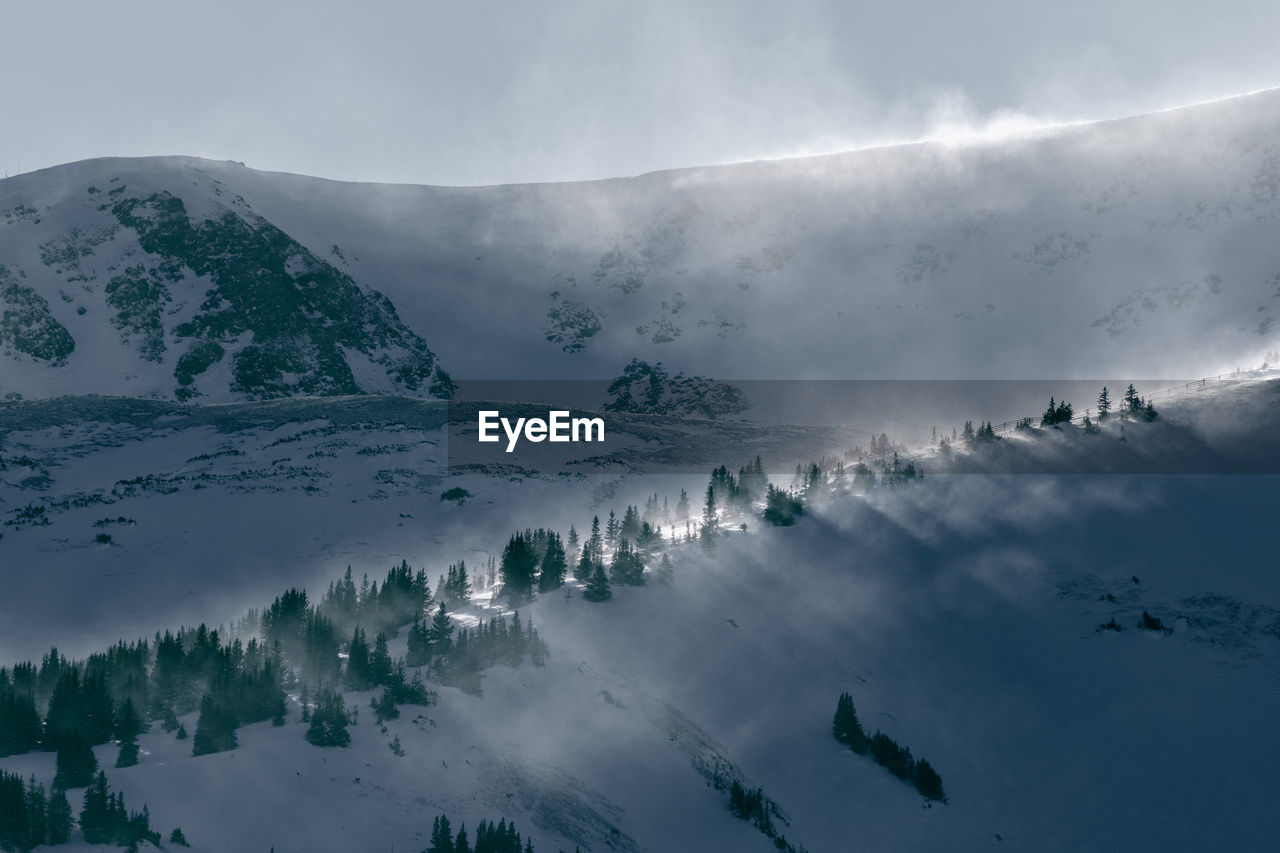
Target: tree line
(885, 751)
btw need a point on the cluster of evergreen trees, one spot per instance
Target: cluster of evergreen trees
(29, 818)
(104, 819)
(781, 509)
(847, 729)
(533, 559)
(20, 726)
(881, 445)
(455, 589)
(754, 806)
(1057, 413)
(824, 479)
(244, 686)
(114, 694)
(459, 660)
(738, 494)
(1132, 407)
(328, 720)
(403, 597)
(895, 472)
(984, 434)
(501, 837)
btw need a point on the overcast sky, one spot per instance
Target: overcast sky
(495, 92)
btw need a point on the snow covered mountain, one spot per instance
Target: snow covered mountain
(223, 384)
(1075, 252)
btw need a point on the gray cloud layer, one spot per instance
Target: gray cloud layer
(494, 92)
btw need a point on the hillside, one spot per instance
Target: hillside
(1075, 252)
(220, 387)
(965, 615)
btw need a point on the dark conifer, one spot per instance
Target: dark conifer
(554, 565)
(597, 586)
(781, 508)
(627, 568)
(380, 666)
(76, 762)
(928, 782)
(441, 836)
(665, 573)
(216, 728)
(58, 819)
(329, 721)
(519, 563)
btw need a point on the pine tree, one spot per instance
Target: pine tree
(128, 755)
(37, 809)
(682, 507)
(572, 546)
(710, 519)
(216, 727)
(128, 724)
(1047, 419)
(1132, 402)
(99, 817)
(582, 572)
(928, 782)
(417, 643)
(1104, 404)
(611, 531)
(329, 721)
(58, 817)
(76, 763)
(554, 565)
(597, 586)
(441, 631)
(441, 836)
(380, 665)
(781, 508)
(845, 726)
(358, 675)
(519, 562)
(457, 588)
(845, 719)
(20, 727)
(665, 574)
(595, 543)
(629, 527)
(627, 568)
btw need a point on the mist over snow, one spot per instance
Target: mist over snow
(221, 386)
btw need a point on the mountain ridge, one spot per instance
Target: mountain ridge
(1075, 251)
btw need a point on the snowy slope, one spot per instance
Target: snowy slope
(237, 321)
(960, 612)
(1076, 252)
(215, 509)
